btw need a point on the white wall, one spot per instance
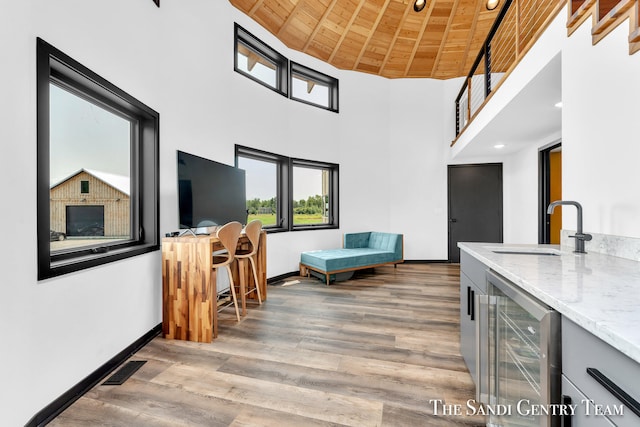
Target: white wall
(417, 178)
(178, 60)
(600, 138)
(390, 138)
(59, 330)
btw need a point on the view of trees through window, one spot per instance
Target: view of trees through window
(262, 189)
(277, 185)
(310, 196)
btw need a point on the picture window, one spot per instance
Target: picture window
(289, 194)
(92, 136)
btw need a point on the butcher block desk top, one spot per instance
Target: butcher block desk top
(189, 284)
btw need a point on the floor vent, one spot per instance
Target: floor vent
(124, 373)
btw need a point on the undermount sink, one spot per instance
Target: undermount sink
(525, 251)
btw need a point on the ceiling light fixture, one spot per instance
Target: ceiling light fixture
(558, 104)
(492, 4)
(419, 5)
(498, 146)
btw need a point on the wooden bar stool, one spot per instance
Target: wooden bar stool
(228, 235)
(252, 231)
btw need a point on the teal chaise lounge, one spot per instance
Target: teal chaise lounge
(359, 251)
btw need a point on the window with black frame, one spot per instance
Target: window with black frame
(97, 168)
(312, 87)
(289, 194)
(259, 62)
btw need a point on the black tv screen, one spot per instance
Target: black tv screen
(209, 193)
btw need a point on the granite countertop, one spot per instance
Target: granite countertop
(599, 292)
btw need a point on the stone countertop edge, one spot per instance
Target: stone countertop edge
(599, 292)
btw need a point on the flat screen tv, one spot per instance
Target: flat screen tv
(209, 193)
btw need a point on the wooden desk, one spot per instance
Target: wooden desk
(189, 309)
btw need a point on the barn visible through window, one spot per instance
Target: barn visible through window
(90, 166)
(98, 169)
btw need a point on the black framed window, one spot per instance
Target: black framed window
(314, 194)
(257, 61)
(289, 194)
(266, 177)
(312, 87)
(92, 135)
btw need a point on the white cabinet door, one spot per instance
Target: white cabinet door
(584, 414)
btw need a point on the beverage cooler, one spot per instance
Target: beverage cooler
(518, 356)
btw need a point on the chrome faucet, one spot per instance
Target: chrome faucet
(579, 236)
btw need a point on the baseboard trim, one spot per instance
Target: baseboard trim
(56, 407)
(276, 279)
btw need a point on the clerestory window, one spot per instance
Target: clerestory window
(312, 87)
(259, 62)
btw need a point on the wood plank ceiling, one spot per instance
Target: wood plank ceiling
(382, 37)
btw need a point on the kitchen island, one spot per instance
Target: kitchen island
(601, 293)
(598, 298)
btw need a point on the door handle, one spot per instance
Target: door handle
(473, 306)
(614, 389)
(453, 220)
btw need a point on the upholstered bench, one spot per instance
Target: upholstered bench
(359, 251)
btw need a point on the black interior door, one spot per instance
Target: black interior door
(475, 205)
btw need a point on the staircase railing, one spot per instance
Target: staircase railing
(517, 26)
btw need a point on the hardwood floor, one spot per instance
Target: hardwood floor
(371, 351)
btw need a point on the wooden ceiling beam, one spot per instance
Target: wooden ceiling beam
(319, 26)
(472, 30)
(452, 15)
(372, 31)
(408, 8)
(346, 31)
(419, 38)
(255, 7)
(292, 15)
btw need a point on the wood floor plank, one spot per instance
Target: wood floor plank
(301, 401)
(269, 418)
(370, 351)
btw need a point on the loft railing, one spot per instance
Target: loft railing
(517, 26)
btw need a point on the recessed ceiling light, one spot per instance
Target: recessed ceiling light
(492, 4)
(419, 5)
(558, 104)
(498, 146)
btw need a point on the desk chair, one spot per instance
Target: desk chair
(252, 231)
(228, 235)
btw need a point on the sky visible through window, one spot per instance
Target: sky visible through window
(306, 182)
(261, 179)
(259, 71)
(83, 135)
(319, 93)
